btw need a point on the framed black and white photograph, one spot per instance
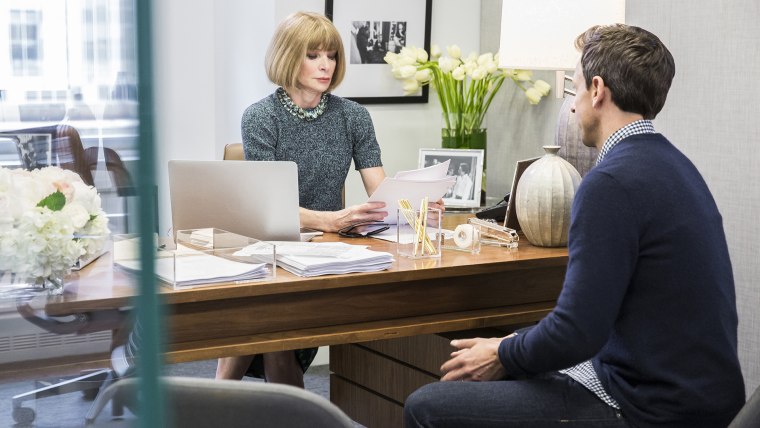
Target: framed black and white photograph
(466, 165)
(371, 29)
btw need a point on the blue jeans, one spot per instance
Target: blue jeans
(548, 400)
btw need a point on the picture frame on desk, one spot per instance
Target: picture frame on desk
(369, 30)
(467, 166)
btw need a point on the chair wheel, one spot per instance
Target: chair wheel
(23, 415)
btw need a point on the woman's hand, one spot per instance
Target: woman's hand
(356, 214)
(438, 205)
(333, 221)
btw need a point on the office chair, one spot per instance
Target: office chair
(122, 356)
(234, 151)
(65, 149)
(749, 415)
(121, 180)
(198, 402)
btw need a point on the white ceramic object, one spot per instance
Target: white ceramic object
(543, 198)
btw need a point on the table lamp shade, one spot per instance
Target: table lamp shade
(540, 35)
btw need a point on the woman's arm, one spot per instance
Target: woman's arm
(372, 177)
(332, 221)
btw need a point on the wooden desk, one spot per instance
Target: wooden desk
(457, 292)
(413, 297)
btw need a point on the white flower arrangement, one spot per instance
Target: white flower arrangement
(465, 86)
(49, 218)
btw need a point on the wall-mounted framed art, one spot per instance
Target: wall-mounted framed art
(466, 165)
(369, 30)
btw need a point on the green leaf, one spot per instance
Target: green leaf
(54, 201)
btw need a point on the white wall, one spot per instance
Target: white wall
(208, 66)
(712, 116)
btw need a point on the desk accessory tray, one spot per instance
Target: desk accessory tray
(203, 257)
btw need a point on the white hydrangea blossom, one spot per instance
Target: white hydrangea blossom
(37, 241)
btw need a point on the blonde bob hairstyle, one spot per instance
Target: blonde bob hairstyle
(295, 36)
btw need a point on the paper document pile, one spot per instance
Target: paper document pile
(188, 269)
(325, 258)
(431, 182)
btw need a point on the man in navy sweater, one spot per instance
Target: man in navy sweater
(644, 331)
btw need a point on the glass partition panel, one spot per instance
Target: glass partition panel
(70, 324)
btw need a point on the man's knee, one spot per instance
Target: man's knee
(419, 404)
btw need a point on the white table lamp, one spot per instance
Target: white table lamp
(540, 35)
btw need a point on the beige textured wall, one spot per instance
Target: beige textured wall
(712, 115)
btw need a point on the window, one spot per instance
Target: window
(26, 48)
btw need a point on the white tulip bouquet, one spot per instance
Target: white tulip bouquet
(49, 218)
(465, 86)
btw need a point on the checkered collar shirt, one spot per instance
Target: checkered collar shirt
(642, 126)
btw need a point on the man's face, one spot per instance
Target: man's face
(584, 110)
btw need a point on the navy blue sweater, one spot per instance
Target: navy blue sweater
(648, 295)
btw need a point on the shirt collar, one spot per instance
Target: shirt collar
(642, 126)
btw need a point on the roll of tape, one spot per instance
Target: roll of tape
(463, 235)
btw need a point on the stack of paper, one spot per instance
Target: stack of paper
(195, 269)
(431, 182)
(325, 258)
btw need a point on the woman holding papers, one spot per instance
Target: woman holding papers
(322, 133)
(302, 122)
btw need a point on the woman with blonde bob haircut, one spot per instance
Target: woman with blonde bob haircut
(297, 34)
(322, 133)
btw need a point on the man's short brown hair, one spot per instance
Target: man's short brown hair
(634, 64)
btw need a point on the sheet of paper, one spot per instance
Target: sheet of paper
(391, 190)
(432, 172)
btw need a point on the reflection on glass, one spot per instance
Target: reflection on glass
(68, 98)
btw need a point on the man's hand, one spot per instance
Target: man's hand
(474, 360)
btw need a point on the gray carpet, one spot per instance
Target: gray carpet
(68, 410)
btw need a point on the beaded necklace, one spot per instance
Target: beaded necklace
(295, 110)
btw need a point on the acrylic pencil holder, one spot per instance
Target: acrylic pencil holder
(418, 233)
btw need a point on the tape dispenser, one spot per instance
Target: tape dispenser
(476, 232)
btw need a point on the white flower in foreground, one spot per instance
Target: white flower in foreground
(422, 55)
(435, 52)
(485, 58)
(542, 87)
(479, 73)
(459, 73)
(534, 97)
(423, 75)
(390, 58)
(447, 64)
(524, 75)
(454, 51)
(410, 86)
(50, 211)
(404, 72)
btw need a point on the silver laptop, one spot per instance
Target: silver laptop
(255, 199)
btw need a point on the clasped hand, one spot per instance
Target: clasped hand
(474, 360)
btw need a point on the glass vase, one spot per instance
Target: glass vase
(53, 284)
(463, 138)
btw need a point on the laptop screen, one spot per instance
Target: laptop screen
(254, 199)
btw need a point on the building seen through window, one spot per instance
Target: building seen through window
(73, 62)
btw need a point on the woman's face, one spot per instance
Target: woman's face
(317, 70)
